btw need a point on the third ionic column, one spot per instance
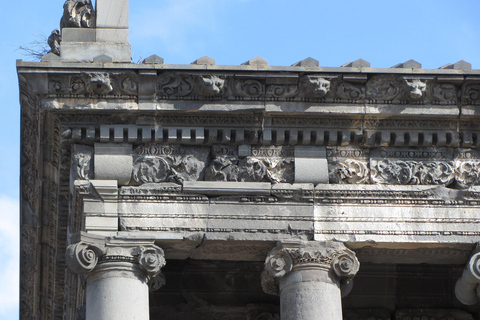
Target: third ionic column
(310, 278)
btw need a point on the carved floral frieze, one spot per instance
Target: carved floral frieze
(313, 87)
(161, 163)
(157, 163)
(265, 164)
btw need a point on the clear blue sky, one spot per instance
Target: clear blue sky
(432, 32)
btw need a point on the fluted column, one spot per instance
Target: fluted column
(118, 275)
(309, 277)
(467, 288)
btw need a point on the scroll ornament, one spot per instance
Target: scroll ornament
(83, 257)
(412, 172)
(281, 261)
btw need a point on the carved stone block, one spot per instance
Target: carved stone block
(113, 162)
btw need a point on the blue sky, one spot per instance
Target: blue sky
(432, 32)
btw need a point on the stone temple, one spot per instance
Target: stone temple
(251, 192)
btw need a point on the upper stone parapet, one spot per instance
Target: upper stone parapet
(89, 35)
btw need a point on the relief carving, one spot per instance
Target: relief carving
(383, 87)
(412, 172)
(175, 85)
(99, 83)
(78, 14)
(211, 86)
(471, 93)
(349, 91)
(444, 92)
(315, 86)
(161, 163)
(416, 88)
(226, 166)
(252, 89)
(54, 42)
(82, 162)
(349, 171)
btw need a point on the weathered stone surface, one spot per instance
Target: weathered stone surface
(204, 60)
(357, 64)
(113, 162)
(78, 14)
(409, 64)
(79, 34)
(308, 62)
(311, 165)
(257, 61)
(112, 14)
(153, 59)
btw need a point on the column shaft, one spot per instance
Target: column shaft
(117, 290)
(310, 295)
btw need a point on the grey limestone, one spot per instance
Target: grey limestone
(204, 61)
(460, 65)
(308, 62)
(113, 162)
(360, 63)
(111, 35)
(79, 34)
(103, 58)
(409, 64)
(227, 188)
(153, 59)
(311, 165)
(257, 61)
(50, 57)
(112, 14)
(88, 51)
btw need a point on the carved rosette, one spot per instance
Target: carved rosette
(151, 260)
(288, 257)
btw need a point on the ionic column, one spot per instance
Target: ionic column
(118, 277)
(467, 288)
(309, 277)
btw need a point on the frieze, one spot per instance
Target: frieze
(168, 163)
(412, 172)
(268, 165)
(319, 88)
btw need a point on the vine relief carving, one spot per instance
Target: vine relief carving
(160, 163)
(226, 166)
(325, 88)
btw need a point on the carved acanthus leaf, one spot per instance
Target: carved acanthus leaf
(412, 172)
(467, 173)
(349, 171)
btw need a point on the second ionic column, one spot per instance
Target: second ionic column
(310, 278)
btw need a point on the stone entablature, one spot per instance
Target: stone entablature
(207, 159)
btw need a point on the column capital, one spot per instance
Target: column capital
(467, 287)
(90, 253)
(288, 256)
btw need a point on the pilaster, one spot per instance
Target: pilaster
(310, 278)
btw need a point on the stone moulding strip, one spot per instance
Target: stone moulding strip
(309, 135)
